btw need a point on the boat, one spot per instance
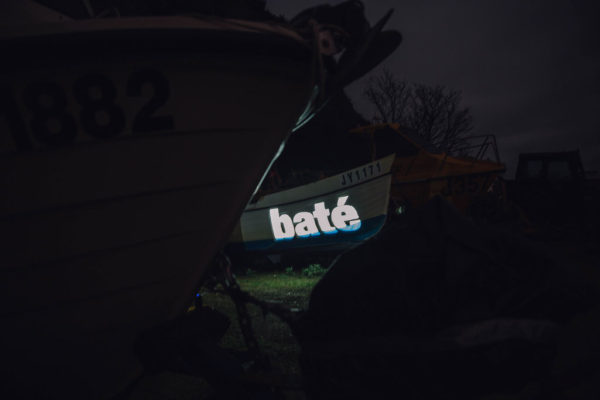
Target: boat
(332, 214)
(421, 171)
(129, 147)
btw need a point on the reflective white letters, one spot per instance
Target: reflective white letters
(321, 213)
(345, 213)
(282, 225)
(344, 217)
(305, 225)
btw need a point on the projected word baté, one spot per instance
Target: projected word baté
(304, 224)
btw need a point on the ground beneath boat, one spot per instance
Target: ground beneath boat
(275, 338)
(294, 289)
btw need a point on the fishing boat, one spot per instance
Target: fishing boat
(420, 171)
(331, 214)
(129, 147)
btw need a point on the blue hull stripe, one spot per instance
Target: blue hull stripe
(369, 228)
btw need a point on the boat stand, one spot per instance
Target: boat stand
(189, 345)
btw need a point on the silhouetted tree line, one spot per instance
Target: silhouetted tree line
(433, 112)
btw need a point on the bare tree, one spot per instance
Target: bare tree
(390, 96)
(433, 112)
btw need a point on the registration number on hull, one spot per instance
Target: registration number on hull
(48, 118)
(361, 174)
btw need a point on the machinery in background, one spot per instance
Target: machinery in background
(421, 171)
(553, 188)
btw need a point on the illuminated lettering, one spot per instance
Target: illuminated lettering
(321, 213)
(283, 227)
(344, 217)
(345, 213)
(305, 225)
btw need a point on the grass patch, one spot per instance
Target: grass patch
(274, 336)
(290, 289)
(313, 270)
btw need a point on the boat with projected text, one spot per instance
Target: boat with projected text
(130, 143)
(329, 215)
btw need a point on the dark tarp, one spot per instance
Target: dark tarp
(437, 306)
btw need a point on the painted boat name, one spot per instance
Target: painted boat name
(344, 217)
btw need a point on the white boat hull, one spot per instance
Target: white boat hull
(103, 238)
(366, 189)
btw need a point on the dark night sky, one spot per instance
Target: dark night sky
(529, 70)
